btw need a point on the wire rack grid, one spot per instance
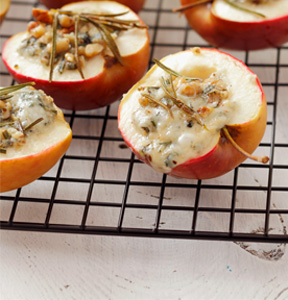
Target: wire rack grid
(99, 187)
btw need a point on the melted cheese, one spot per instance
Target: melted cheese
(28, 105)
(39, 142)
(271, 9)
(128, 42)
(168, 141)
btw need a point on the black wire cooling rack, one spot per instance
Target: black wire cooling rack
(99, 187)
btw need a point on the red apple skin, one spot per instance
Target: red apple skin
(20, 171)
(233, 35)
(135, 5)
(223, 157)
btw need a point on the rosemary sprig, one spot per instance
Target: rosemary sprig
(76, 20)
(71, 13)
(5, 97)
(20, 126)
(6, 134)
(109, 19)
(167, 92)
(110, 42)
(53, 51)
(185, 108)
(235, 5)
(226, 134)
(106, 37)
(229, 2)
(150, 98)
(122, 24)
(3, 124)
(106, 23)
(28, 127)
(61, 65)
(172, 86)
(172, 72)
(10, 89)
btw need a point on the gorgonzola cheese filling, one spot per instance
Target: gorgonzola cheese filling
(26, 113)
(67, 41)
(170, 118)
(173, 113)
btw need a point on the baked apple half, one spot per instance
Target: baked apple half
(33, 135)
(84, 56)
(196, 114)
(239, 24)
(135, 5)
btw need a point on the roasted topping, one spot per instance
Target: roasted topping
(192, 96)
(175, 110)
(62, 39)
(24, 112)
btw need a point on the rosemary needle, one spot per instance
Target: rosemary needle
(76, 19)
(33, 124)
(54, 37)
(106, 37)
(229, 2)
(185, 108)
(250, 11)
(172, 72)
(14, 88)
(150, 98)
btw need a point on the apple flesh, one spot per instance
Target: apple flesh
(105, 79)
(225, 26)
(194, 145)
(39, 149)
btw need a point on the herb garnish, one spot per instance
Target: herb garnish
(226, 134)
(170, 92)
(151, 99)
(28, 127)
(54, 37)
(181, 105)
(106, 24)
(173, 72)
(11, 128)
(76, 19)
(10, 89)
(229, 2)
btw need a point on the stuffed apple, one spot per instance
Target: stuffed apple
(135, 5)
(33, 135)
(84, 56)
(239, 24)
(196, 114)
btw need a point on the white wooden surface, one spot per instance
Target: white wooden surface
(56, 266)
(67, 266)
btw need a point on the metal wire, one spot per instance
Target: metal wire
(193, 207)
